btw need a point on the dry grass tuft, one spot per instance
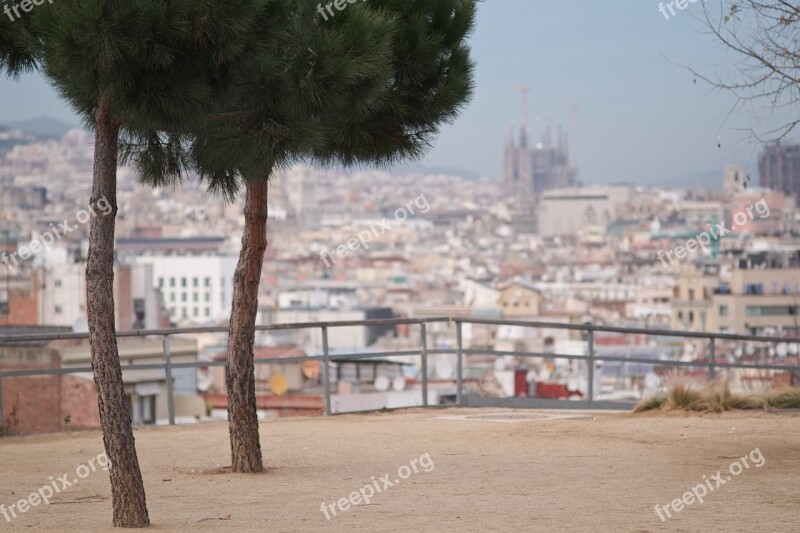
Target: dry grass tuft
(717, 397)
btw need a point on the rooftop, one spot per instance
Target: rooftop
(489, 470)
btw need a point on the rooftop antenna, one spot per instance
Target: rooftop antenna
(525, 90)
(574, 108)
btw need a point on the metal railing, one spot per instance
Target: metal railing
(590, 357)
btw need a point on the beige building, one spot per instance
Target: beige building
(147, 389)
(692, 299)
(519, 300)
(759, 296)
(758, 302)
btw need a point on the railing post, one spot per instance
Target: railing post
(590, 391)
(326, 370)
(423, 341)
(170, 385)
(712, 356)
(459, 367)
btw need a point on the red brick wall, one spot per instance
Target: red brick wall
(24, 308)
(37, 399)
(79, 402)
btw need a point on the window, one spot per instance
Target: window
(680, 315)
(754, 288)
(185, 313)
(57, 283)
(195, 282)
(183, 297)
(208, 297)
(160, 283)
(172, 297)
(208, 283)
(208, 312)
(4, 307)
(691, 295)
(723, 310)
(195, 297)
(771, 310)
(196, 312)
(183, 282)
(59, 310)
(691, 316)
(171, 282)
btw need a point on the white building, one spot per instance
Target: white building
(195, 288)
(299, 184)
(580, 209)
(63, 296)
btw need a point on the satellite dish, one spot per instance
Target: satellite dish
(652, 381)
(749, 348)
(80, 325)
(499, 364)
(279, 385)
(738, 352)
(311, 369)
(382, 384)
(444, 370)
(399, 384)
(203, 380)
(793, 349)
(782, 350)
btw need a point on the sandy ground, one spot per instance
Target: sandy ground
(599, 472)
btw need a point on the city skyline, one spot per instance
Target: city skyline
(642, 117)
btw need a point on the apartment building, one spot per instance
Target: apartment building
(692, 298)
(197, 289)
(762, 298)
(760, 295)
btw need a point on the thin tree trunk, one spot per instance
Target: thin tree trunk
(127, 488)
(241, 383)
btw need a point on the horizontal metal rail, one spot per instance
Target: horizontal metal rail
(423, 352)
(222, 329)
(628, 331)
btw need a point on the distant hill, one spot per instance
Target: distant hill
(446, 171)
(46, 127)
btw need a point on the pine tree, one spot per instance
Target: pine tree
(125, 66)
(373, 84)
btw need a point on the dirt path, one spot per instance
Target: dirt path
(598, 472)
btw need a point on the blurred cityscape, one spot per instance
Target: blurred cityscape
(538, 245)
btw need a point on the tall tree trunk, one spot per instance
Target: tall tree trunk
(127, 488)
(242, 415)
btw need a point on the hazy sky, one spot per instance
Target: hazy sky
(642, 117)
